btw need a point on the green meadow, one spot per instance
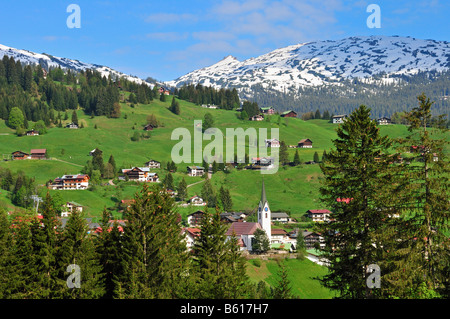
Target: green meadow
(291, 189)
(302, 275)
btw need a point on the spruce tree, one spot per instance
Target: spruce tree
(296, 158)
(182, 189)
(74, 117)
(155, 255)
(284, 155)
(260, 242)
(358, 189)
(423, 247)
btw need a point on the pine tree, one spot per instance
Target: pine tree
(316, 157)
(182, 189)
(283, 288)
(219, 267)
(357, 188)
(113, 164)
(74, 117)
(155, 255)
(284, 155)
(296, 158)
(423, 251)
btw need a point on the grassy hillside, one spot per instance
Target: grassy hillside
(293, 189)
(301, 274)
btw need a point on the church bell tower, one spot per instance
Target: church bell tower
(264, 215)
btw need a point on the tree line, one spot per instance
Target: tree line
(145, 257)
(227, 99)
(390, 208)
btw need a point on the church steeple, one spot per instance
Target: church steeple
(263, 193)
(264, 214)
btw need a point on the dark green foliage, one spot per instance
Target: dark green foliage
(209, 194)
(225, 199)
(260, 243)
(182, 189)
(296, 161)
(283, 289)
(227, 99)
(284, 155)
(358, 180)
(218, 264)
(208, 122)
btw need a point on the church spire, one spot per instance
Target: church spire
(263, 193)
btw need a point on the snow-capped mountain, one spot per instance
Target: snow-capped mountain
(48, 61)
(325, 63)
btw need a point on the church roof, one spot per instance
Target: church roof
(242, 228)
(263, 194)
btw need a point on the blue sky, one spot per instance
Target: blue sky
(167, 39)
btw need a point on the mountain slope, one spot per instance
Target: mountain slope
(320, 63)
(48, 61)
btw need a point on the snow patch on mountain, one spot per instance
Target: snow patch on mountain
(48, 61)
(369, 58)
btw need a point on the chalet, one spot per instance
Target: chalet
(71, 182)
(384, 121)
(195, 170)
(337, 119)
(71, 207)
(278, 235)
(319, 215)
(305, 143)
(72, 126)
(232, 217)
(38, 154)
(267, 110)
(153, 164)
(272, 142)
(190, 235)
(256, 118)
(149, 127)
(195, 218)
(289, 114)
(280, 217)
(19, 155)
(197, 201)
(163, 90)
(262, 162)
(33, 133)
(312, 239)
(209, 106)
(141, 174)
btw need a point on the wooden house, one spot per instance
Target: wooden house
(153, 164)
(384, 121)
(312, 239)
(71, 207)
(190, 234)
(19, 155)
(289, 114)
(71, 182)
(319, 215)
(197, 201)
(32, 133)
(72, 126)
(38, 154)
(305, 143)
(272, 142)
(149, 127)
(257, 118)
(141, 174)
(267, 110)
(280, 217)
(195, 218)
(163, 90)
(338, 119)
(195, 170)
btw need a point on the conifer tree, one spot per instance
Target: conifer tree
(283, 288)
(284, 155)
(155, 255)
(261, 242)
(74, 117)
(423, 249)
(296, 158)
(357, 188)
(182, 189)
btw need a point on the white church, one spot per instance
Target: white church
(244, 231)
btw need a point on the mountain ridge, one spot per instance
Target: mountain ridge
(325, 63)
(49, 61)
